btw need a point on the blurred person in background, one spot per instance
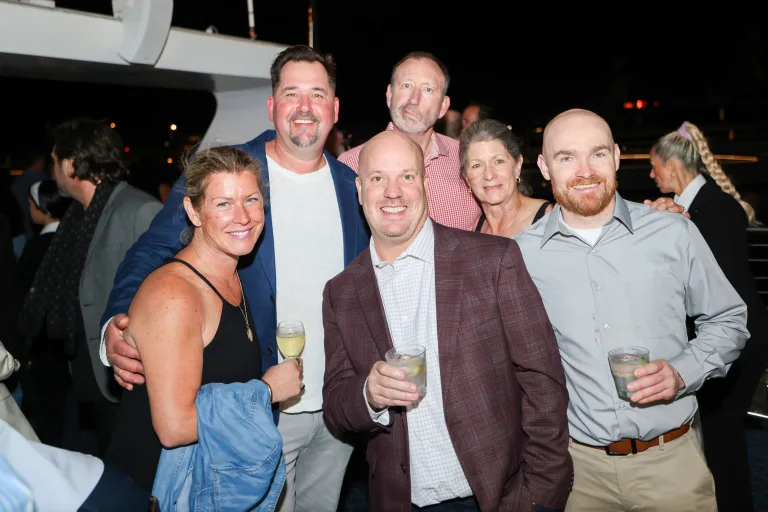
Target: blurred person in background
(36, 170)
(44, 373)
(682, 163)
(474, 112)
(70, 289)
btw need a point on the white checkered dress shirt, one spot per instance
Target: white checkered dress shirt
(408, 293)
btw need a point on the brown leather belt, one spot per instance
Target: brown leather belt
(635, 446)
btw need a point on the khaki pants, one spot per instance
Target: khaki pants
(315, 463)
(672, 477)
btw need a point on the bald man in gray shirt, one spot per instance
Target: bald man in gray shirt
(612, 274)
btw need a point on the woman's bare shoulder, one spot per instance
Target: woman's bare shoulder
(171, 286)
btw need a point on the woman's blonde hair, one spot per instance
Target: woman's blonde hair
(202, 165)
(689, 145)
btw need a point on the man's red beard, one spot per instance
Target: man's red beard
(586, 204)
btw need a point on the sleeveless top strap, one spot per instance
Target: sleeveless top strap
(542, 212)
(480, 222)
(201, 276)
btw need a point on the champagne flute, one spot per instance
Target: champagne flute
(291, 339)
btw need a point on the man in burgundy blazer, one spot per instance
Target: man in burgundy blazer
(503, 392)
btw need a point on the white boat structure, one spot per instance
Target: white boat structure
(139, 47)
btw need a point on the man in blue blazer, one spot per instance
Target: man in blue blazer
(313, 228)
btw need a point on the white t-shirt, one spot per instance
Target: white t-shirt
(589, 235)
(309, 251)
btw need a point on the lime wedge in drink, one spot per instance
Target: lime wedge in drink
(417, 370)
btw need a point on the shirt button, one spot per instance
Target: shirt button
(269, 350)
(606, 326)
(599, 287)
(621, 406)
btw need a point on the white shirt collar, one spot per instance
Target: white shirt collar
(50, 228)
(689, 194)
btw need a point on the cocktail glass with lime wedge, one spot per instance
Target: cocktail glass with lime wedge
(412, 360)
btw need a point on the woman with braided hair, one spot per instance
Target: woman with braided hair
(682, 162)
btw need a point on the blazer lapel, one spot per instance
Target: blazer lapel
(266, 251)
(370, 302)
(449, 279)
(349, 208)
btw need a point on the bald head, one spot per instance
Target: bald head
(390, 148)
(391, 187)
(580, 158)
(573, 121)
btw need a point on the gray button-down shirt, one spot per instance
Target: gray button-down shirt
(647, 270)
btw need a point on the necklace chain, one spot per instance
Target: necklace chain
(517, 211)
(243, 307)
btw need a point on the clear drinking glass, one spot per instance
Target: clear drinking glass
(290, 339)
(624, 361)
(412, 359)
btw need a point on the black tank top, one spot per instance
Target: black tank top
(229, 357)
(542, 211)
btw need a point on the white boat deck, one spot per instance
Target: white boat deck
(60, 44)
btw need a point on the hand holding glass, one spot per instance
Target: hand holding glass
(624, 361)
(412, 359)
(291, 339)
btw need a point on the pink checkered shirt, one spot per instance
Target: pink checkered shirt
(451, 202)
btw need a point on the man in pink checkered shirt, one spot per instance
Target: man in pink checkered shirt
(417, 98)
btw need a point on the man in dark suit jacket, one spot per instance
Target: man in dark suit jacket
(491, 431)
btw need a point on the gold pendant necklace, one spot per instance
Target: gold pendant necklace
(243, 307)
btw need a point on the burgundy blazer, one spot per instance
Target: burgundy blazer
(502, 380)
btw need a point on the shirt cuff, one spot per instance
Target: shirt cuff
(103, 345)
(381, 417)
(690, 371)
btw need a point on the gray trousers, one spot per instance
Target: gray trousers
(315, 463)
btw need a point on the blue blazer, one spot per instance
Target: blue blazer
(257, 270)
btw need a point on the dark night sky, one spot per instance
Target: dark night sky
(529, 63)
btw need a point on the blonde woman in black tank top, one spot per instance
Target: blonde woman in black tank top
(190, 321)
(491, 164)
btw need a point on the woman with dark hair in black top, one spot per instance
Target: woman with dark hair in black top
(491, 161)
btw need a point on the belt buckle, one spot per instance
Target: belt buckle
(614, 454)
